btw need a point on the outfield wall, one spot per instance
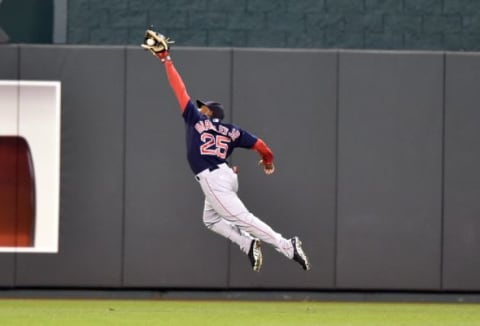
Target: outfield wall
(377, 156)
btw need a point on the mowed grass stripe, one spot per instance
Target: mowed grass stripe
(213, 313)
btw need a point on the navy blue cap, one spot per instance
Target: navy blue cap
(215, 107)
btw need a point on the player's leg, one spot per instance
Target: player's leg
(217, 224)
(219, 188)
(250, 246)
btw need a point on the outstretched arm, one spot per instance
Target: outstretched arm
(267, 156)
(175, 80)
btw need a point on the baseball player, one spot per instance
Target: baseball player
(210, 142)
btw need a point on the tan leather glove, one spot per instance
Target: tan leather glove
(156, 42)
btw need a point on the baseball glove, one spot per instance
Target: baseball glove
(156, 42)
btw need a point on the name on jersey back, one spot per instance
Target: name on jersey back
(206, 125)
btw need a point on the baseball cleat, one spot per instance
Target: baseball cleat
(298, 254)
(255, 255)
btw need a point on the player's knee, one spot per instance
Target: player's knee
(208, 224)
(208, 221)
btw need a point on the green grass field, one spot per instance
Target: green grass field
(212, 313)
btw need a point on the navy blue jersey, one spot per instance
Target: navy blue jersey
(210, 141)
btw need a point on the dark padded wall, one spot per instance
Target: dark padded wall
(8, 71)
(289, 100)
(461, 268)
(363, 155)
(390, 168)
(91, 208)
(166, 243)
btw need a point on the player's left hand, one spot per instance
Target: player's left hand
(268, 168)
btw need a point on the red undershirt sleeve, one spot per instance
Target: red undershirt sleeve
(264, 151)
(177, 85)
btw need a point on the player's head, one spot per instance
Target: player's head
(214, 109)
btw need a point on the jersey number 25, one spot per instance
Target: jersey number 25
(214, 145)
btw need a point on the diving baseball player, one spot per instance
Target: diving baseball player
(210, 142)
